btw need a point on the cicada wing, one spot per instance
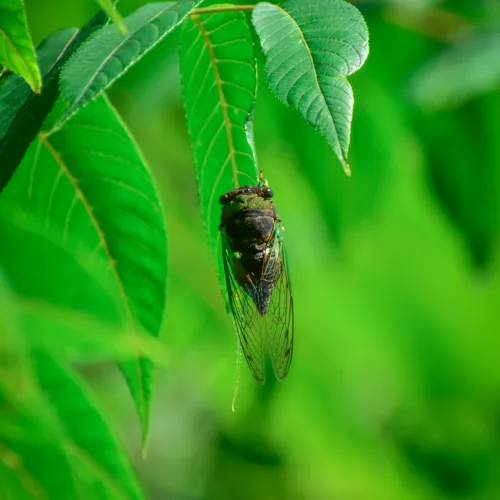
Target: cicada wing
(246, 317)
(279, 318)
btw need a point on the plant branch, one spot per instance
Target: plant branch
(222, 8)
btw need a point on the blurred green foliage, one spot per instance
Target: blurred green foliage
(394, 390)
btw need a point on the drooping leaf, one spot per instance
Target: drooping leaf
(16, 50)
(460, 73)
(109, 53)
(34, 446)
(81, 338)
(219, 87)
(33, 464)
(89, 435)
(310, 49)
(39, 268)
(30, 444)
(88, 182)
(24, 112)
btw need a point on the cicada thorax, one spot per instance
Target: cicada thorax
(250, 224)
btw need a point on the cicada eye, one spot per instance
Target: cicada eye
(267, 192)
(224, 199)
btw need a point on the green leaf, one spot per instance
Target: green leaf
(12, 353)
(310, 48)
(81, 338)
(33, 465)
(33, 444)
(110, 53)
(89, 435)
(462, 72)
(24, 112)
(30, 449)
(39, 268)
(89, 183)
(219, 87)
(16, 50)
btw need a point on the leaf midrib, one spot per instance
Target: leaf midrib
(222, 99)
(88, 208)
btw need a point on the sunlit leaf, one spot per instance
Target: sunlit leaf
(87, 432)
(310, 48)
(89, 183)
(16, 50)
(24, 112)
(109, 53)
(462, 72)
(219, 87)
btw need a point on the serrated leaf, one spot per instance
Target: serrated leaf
(310, 48)
(110, 53)
(88, 434)
(219, 86)
(462, 72)
(16, 49)
(89, 183)
(24, 112)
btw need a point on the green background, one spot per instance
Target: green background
(394, 390)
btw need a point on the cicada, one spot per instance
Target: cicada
(257, 278)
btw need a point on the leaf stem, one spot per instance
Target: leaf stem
(222, 8)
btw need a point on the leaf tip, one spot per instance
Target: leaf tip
(347, 168)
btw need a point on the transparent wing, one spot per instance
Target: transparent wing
(279, 320)
(248, 321)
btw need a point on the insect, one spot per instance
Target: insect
(257, 278)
